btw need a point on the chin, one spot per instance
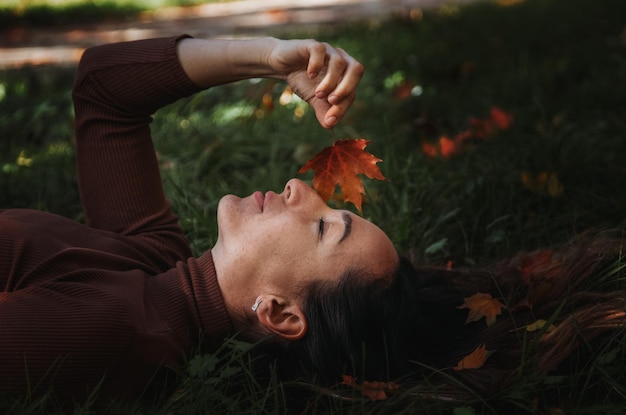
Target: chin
(225, 208)
(228, 202)
(232, 212)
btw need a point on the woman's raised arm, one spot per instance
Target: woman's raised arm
(324, 76)
(119, 86)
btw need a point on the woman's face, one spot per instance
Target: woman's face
(288, 239)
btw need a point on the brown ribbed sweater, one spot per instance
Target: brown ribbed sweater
(122, 296)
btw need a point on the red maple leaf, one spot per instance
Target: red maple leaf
(448, 147)
(500, 118)
(474, 360)
(482, 305)
(480, 128)
(339, 164)
(429, 149)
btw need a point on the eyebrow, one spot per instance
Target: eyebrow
(347, 222)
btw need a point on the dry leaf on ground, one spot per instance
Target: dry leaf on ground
(482, 305)
(474, 360)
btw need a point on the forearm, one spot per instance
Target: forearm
(324, 76)
(211, 62)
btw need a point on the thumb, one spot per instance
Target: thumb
(322, 112)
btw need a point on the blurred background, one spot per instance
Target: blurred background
(42, 32)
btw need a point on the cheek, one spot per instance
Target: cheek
(285, 244)
(279, 242)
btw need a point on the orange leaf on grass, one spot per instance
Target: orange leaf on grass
(448, 147)
(474, 360)
(429, 149)
(376, 391)
(340, 164)
(480, 128)
(482, 305)
(500, 118)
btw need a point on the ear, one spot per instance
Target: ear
(282, 317)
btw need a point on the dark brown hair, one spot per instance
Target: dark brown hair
(400, 331)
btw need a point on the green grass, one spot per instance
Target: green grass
(559, 66)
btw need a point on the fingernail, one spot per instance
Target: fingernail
(330, 121)
(320, 94)
(313, 75)
(333, 99)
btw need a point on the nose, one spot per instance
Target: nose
(297, 192)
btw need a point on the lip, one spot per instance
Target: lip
(259, 199)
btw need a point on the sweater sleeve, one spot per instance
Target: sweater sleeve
(118, 87)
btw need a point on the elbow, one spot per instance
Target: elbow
(86, 65)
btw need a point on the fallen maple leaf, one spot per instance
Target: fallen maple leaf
(474, 360)
(376, 391)
(482, 305)
(448, 147)
(429, 149)
(480, 128)
(339, 164)
(500, 118)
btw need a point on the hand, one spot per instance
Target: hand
(324, 76)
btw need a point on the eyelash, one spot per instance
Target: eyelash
(321, 227)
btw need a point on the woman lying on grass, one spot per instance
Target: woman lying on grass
(114, 304)
(117, 299)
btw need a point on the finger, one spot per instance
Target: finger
(317, 59)
(340, 86)
(329, 115)
(336, 112)
(335, 68)
(349, 81)
(321, 108)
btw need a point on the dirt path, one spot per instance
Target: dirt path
(64, 45)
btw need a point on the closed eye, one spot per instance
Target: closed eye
(321, 228)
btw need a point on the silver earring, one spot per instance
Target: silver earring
(256, 304)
